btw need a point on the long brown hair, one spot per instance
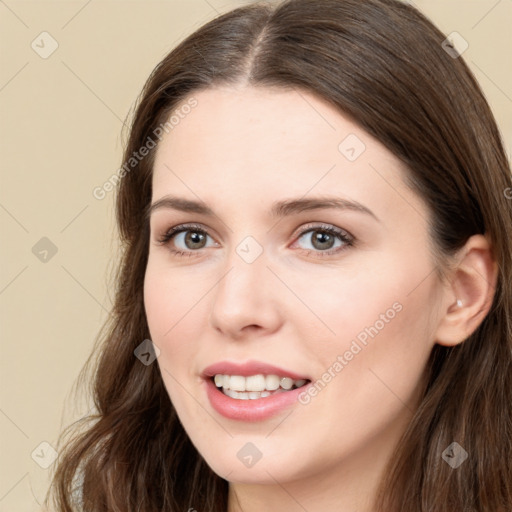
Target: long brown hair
(383, 63)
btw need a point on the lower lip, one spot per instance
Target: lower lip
(257, 409)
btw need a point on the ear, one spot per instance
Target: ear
(469, 295)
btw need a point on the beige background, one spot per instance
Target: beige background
(60, 136)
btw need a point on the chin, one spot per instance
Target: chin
(243, 462)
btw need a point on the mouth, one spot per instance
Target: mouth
(254, 387)
(252, 391)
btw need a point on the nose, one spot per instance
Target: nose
(246, 300)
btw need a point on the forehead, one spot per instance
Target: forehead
(258, 124)
(260, 143)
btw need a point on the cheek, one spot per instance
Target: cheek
(385, 331)
(381, 321)
(177, 302)
(365, 295)
(169, 297)
(393, 293)
(169, 306)
(171, 301)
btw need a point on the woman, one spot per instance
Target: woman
(314, 301)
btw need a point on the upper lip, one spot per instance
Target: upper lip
(249, 368)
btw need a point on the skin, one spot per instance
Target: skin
(239, 150)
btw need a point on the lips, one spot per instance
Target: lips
(250, 368)
(256, 408)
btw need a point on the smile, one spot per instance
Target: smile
(255, 386)
(252, 390)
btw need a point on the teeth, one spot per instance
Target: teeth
(237, 383)
(255, 386)
(251, 395)
(286, 383)
(272, 382)
(255, 383)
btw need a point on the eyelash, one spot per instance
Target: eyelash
(342, 235)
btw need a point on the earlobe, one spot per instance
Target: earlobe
(470, 294)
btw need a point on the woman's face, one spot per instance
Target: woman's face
(258, 279)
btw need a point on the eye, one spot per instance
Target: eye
(188, 238)
(322, 239)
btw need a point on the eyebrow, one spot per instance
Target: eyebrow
(278, 209)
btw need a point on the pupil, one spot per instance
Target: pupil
(195, 238)
(322, 240)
